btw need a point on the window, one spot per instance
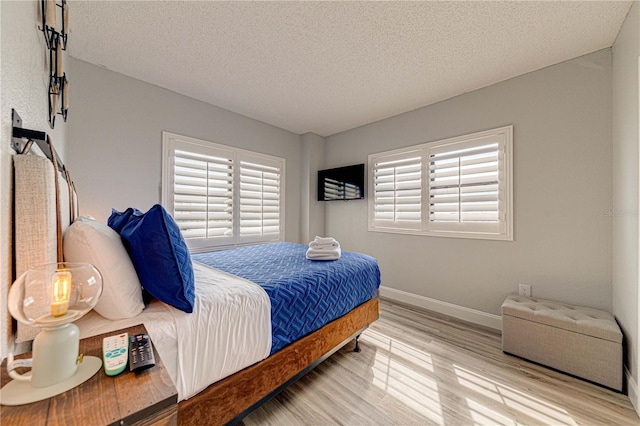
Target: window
(222, 196)
(459, 187)
(397, 196)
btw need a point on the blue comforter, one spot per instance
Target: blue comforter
(305, 294)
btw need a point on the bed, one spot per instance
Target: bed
(271, 344)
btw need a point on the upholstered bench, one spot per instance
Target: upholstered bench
(580, 341)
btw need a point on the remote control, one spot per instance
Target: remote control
(114, 353)
(140, 352)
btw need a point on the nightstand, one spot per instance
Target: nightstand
(147, 397)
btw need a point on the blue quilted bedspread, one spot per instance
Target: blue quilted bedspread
(305, 294)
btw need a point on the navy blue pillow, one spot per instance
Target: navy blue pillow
(159, 254)
(118, 220)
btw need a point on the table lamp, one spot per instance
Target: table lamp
(51, 297)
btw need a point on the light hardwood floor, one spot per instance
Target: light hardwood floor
(423, 368)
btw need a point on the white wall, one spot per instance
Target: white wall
(626, 53)
(23, 85)
(114, 148)
(312, 210)
(562, 190)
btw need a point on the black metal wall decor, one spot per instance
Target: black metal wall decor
(56, 42)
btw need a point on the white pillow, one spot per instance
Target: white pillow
(87, 240)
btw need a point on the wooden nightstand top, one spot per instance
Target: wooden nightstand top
(124, 399)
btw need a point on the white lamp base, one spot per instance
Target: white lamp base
(20, 393)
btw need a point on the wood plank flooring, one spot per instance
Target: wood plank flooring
(423, 368)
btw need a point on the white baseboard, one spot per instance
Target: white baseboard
(460, 312)
(632, 390)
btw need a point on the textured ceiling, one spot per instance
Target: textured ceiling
(326, 67)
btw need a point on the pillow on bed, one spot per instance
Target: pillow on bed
(87, 240)
(118, 220)
(159, 254)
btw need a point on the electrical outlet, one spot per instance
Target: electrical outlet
(524, 290)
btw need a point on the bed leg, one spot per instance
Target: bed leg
(357, 348)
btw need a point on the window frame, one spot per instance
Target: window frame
(504, 231)
(172, 141)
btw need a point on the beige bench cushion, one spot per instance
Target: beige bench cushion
(587, 321)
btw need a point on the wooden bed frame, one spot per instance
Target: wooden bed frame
(231, 399)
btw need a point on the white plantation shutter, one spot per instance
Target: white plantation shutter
(203, 195)
(463, 190)
(397, 190)
(464, 185)
(221, 196)
(260, 182)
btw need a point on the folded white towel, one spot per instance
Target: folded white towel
(324, 240)
(317, 245)
(324, 254)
